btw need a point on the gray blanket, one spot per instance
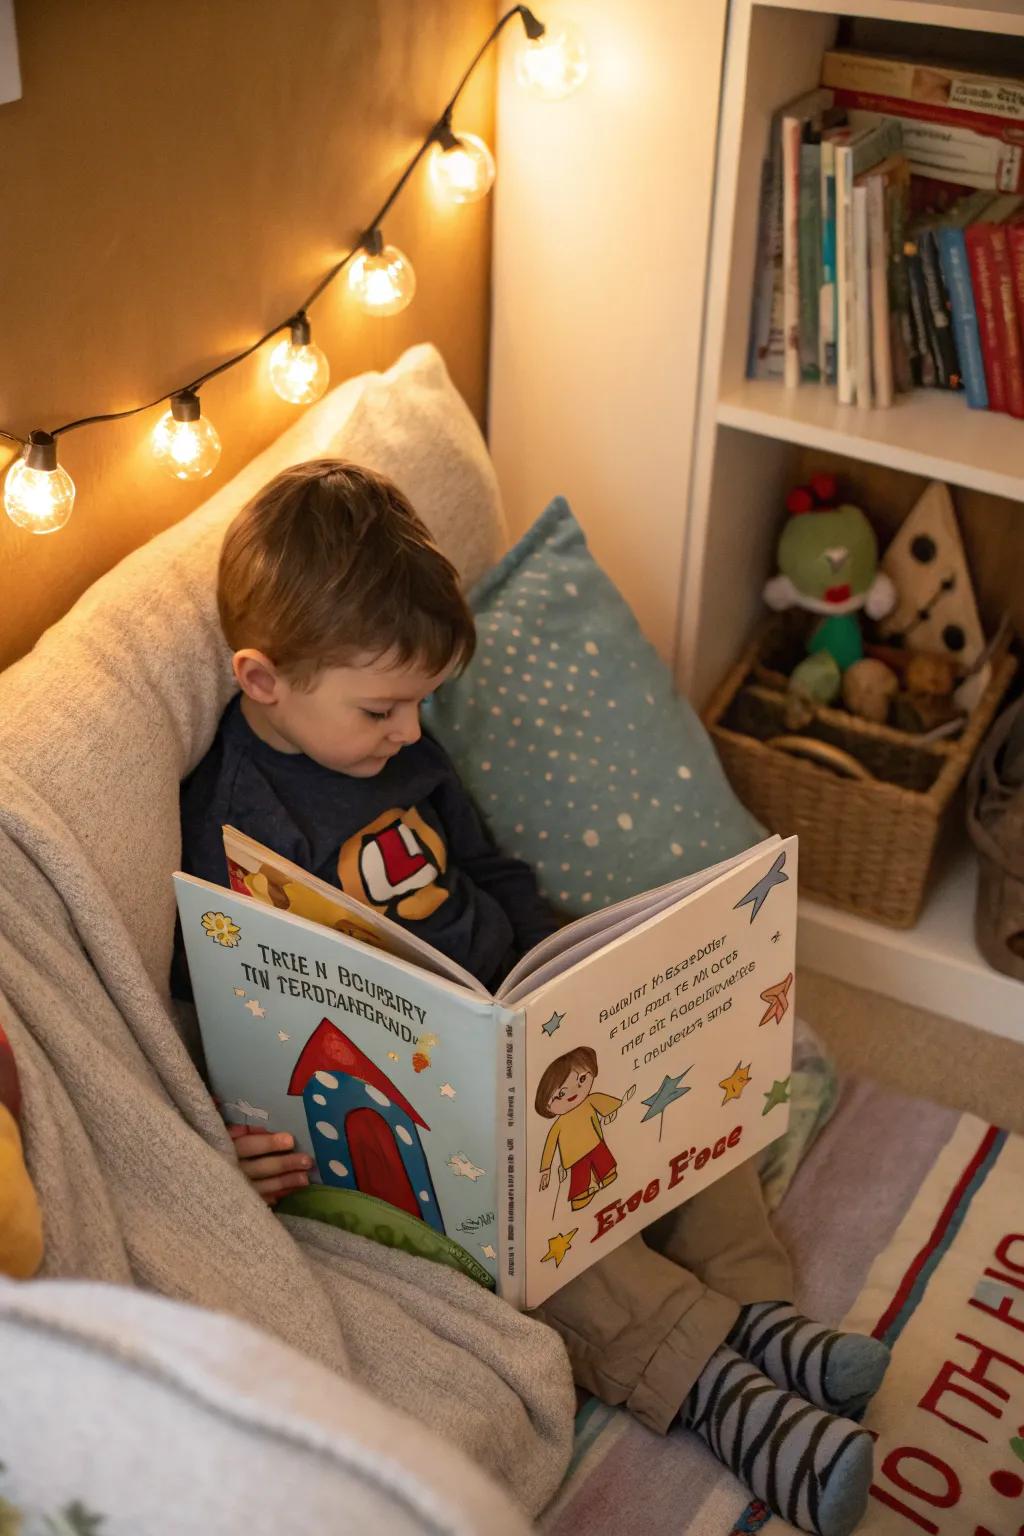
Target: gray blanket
(135, 1173)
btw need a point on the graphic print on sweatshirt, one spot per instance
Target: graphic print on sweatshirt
(397, 864)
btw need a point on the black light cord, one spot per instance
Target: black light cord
(441, 128)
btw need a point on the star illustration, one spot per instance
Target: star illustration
(392, 1055)
(447, 1091)
(736, 1082)
(665, 1095)
(558, 1246)
(777, 998)
(487, 1250)
(778, 1093)
(239, 991)
(255, 1009)
(758, 894)
(550, 1025)
(283, 1035)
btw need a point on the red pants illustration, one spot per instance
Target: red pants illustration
(598, 1162)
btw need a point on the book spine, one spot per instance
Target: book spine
(900, 332)
(1015, 240)
(1006, 320)
(510, 1154)
(761, 307)
(947, 152)
(846, 321)
(827, 304)
(878, 276)
(862, 289)
(810, 260)
(947, 365)
(1008, 130)
(955, 270)
(791, 129)
(922, 357)
(979, 259)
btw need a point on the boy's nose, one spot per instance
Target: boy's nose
(407, 728)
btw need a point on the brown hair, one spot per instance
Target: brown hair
(555, 1075)
(330, 561)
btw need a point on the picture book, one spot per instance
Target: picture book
(627, 1061)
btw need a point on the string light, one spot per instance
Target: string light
(381, 278)
(38, 494)
(299, 370)
(552, 63)
(185, 442)
(461, 166)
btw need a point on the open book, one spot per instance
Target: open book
(626, 1062)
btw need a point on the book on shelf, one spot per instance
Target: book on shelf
(878, 278)
(827, 292)
(983, 283)
(862, 299)
(989, 103)
(521, 1135)
(992, 276)
(938, 316)
(950, 152)
(856, 153)
(922, 357)
(948, 231)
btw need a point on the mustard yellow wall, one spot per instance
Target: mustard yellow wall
(176, 176)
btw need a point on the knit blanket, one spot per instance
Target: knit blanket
(906, 1221)
(135, 1173)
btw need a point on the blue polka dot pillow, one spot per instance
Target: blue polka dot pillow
(567, 733)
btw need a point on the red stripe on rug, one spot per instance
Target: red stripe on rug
(937, 1233)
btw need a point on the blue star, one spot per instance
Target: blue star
(553, 1023)
(758, 894)
(666, 1095)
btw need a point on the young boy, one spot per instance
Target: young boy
(343, 617)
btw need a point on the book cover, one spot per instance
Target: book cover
(995, 98)
(923, 354)
(952, 250)
(949, 152)
(1007, 323)
(947, 366)
(1015, 244)
(629, 1060)
(897, 186)
(846, 302)
(862, 289)
(827, 292)
(810, 260)
(983, 283)
(791, 131)
(878, 279)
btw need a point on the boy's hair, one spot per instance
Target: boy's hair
(584, 1056)
(329, 561)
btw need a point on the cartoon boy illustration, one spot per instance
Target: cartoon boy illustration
(563, 1095)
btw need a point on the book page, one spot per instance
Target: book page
(256, 871)
(655, 1066)
(385, 1075)
(584, 934)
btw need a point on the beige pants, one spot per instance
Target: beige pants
(641, 1324)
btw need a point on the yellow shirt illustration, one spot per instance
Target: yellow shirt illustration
(578, 1131)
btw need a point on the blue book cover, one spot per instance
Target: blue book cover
(957, 274)
(465, 1127)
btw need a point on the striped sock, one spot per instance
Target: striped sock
(838, 1371)
(811, 1468)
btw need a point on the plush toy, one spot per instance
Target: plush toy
(828, 564)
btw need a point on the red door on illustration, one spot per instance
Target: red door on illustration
(376, 1161)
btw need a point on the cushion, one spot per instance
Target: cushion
(196, 1422)
(568, 733)
(120, 698)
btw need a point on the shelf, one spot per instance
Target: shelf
(929, 432)
(935, 966)
(989, 16)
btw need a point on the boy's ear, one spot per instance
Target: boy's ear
(257, 676)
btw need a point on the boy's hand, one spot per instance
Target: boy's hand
(544, 1178)
(268, 1159)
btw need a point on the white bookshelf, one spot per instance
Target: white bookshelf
(747, 438)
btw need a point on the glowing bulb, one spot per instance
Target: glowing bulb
(380, 278)
(299, 371)
(553, 65)
(38, 494)
(185, 442)
(462, 167)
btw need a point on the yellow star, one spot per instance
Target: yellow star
(735, 1083)
(559, 1245)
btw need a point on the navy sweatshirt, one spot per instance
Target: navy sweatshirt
(408, 841)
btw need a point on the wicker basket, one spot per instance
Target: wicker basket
(866, 801)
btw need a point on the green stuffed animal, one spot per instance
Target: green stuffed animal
(828, 564)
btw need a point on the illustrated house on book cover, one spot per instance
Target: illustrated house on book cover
(365, 1132)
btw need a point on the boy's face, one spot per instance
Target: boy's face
(351, 719)
(572, 1092)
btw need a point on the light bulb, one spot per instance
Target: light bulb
(553, 65)
(38, 494)
(185, 442)
(299, 371)
(380, 278)
(462, 167)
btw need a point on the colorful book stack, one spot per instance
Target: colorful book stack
(878, 268)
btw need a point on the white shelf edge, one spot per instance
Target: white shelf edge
(936, 965)
(812, 420)
(1002, 16)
